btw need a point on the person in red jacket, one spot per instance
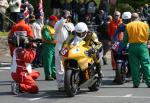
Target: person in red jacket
(23, 54)
(20, 28)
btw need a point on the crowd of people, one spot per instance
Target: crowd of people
(132, 28)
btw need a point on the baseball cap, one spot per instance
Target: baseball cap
(53, 18)
(66, 13)
(117, 13)
(21, 16)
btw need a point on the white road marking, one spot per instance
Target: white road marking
(5, 63)
(34, 99)
(4, 68)
(126, 96)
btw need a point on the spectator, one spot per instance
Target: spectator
(81, 11)
(137, 34)
(55, 6)
(91, 7)
(74, 10)
(100, 19)
(146, 11)
(14, 9)
(67, 5)
(62, 29)
(3, 6)
(104, 5)
(114, 24)
(27, 9)
(48, 49)
(37, 30)
(88, 20)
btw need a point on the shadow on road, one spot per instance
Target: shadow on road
(53, 94)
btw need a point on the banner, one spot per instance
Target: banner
(41, 8)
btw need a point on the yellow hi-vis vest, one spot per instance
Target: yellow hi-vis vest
(137, 32)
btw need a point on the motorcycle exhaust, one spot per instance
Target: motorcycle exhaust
(89, 82)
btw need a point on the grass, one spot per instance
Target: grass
(3, 33)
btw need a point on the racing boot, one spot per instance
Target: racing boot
(104, 60)
(99, 70)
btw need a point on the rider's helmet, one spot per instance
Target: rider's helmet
(81, 29)
(126, 16)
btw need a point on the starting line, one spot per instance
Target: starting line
(4, 68)
(126, 96)
(90, 96)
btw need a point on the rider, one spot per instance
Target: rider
(118, 36)
(90, 38)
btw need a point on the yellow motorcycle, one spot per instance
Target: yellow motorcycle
(80, 68)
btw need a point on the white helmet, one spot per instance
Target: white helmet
(81, 27)
(126, 15)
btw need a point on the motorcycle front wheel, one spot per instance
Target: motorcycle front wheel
(71, 82)
(119, 74)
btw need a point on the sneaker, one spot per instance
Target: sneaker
(128, 79)
(115, 80)
(135, 86)
(15, 88)
(50, 78)
(105, 61)
(101, 74)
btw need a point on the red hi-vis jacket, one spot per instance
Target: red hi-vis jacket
(23, 28)
(112, 27)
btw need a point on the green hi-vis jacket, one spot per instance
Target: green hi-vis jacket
(48, 36)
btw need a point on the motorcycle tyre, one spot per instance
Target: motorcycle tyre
(70, 91)
(119, 75)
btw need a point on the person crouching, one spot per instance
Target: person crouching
(21, 70)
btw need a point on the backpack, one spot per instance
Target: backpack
(15, 40)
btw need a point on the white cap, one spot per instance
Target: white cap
(126, 15)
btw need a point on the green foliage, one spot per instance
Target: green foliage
(46, 6)
(134, 3)
(122, 7)
(3, 33)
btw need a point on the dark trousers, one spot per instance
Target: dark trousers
(1, 22)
